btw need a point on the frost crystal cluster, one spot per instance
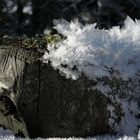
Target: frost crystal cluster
(95, 52)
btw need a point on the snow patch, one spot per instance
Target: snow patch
(9, 135)
(95, 52)
(5, 132)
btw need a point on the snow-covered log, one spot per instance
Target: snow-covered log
(85, 84)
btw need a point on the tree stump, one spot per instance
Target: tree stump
(53, 106)
(37, 101)
(42, 103)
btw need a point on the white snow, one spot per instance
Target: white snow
(99, 138)
(96, 52)
(5, 132)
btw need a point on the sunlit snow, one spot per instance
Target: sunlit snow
(95, 52)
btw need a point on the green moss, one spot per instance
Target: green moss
(52, 38)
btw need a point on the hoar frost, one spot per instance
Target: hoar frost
(94, 52)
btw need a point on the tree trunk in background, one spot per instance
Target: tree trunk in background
(38, 17)
(20, 15)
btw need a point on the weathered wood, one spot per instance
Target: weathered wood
(28, 101)
(42, 103)
(53, 106)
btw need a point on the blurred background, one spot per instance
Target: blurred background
(31, 17)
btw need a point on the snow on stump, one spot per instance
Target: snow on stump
(87, 83)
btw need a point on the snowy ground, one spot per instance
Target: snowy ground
(8, 135)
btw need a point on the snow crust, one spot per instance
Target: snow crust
(95, 52)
